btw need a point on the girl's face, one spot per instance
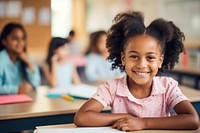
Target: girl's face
(102, 44)
(63, 51)
(15, 41)
(142, 58)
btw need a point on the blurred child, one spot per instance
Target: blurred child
(18, 73)
(58, 69)
(141, 99)
(98, 67)
(75, 48)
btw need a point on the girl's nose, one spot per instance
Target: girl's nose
(141, 64)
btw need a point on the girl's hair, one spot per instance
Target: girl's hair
(93, 42)
(130, 24)
(54, 44)
(8, 28)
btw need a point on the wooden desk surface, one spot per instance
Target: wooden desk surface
(142, 131)
(40, 106)
(44, 106)
(192, 94)
(187, 70)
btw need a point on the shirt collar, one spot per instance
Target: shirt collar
(7, 58)
(122, 88)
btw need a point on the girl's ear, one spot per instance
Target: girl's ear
(123, 58)
(161, 61)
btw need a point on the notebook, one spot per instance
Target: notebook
(79, 130)
(79, 91)
(15, 98)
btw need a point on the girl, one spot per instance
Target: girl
(59, 71)
(98, 67)
(18, 73)
(141, 100)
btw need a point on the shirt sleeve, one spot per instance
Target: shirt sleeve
(174, 94)
(34, 77)
(6, 89)
(104, 95)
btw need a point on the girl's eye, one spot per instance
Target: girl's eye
(14, 37)
(134, 57)
(151, 58)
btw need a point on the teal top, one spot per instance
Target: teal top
(98, 68)
(11, 75)
(64, 74)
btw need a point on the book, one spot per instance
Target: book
(79, 91)
(15, 98)
(79, 130)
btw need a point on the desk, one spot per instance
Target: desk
(45, 111)
(142, 131)
(184, 74)
(42, 111)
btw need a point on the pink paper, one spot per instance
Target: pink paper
(16, 98)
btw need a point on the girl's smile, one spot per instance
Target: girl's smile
(141, 74)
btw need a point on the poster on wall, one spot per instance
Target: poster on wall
(28, 15)
(13, 9)
(44, 16)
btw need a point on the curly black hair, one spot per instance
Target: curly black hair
(129, 24)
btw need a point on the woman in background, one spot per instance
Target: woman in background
(18, 72)
(58, 69)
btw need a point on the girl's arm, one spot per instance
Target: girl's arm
(76, 78)
(8, 89)
(32, 70)
(50, 74)
(186, 118)
(89, 115)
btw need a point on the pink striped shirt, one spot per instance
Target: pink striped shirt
(165, 94)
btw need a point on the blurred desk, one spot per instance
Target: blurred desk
(193, 96)
(185, 76)
(41, 111)
(142, 131)
(46, 111)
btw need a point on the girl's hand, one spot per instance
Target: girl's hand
(129, 123)
(24, 88)
(24, 57)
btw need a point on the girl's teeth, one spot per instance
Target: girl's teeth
(141, 73)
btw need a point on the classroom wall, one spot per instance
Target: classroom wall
(88, 15)
(38, 35)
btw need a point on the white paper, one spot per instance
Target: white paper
(13, 9)
(79, 130)
(80, 90)
(2, 9)
(28, 15)
(44, 16)
(83, 91)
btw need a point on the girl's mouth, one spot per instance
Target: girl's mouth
(141, 74)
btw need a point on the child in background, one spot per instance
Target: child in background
(74, 49)
(18, 73)
(59, 70)
(98, 67)
(141, 100)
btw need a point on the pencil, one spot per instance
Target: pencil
(69, 98)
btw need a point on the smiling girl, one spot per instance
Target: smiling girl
(141, 99)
